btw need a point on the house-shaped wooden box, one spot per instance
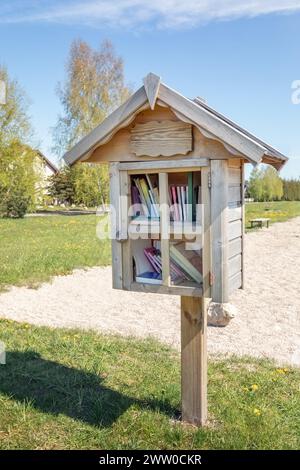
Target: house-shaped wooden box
(177, 209)
(167, 151)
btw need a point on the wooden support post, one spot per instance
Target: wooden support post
(164, 227)
(116, 261)
(219, 230)
(127, 274)
(194, 360)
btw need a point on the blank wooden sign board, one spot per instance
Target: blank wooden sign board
(176, 192)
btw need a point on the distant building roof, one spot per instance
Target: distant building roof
(47, 161)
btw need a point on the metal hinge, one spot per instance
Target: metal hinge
(211, 278)
(209, 179)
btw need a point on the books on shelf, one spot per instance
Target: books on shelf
(149, 277)
(145, 197)
(136, 201)
(153, 255)
(190, 197)
(181, 269)
(183, 198)
(187, 267)
(182, 201)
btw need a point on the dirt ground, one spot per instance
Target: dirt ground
(267, 324)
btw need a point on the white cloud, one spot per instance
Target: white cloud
(139, 13)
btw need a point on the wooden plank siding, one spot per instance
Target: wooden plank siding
(234, 229)
(235, 282)
(235, 247)
(235, 212)
(235, 225)
(156, 138)
(119, 147)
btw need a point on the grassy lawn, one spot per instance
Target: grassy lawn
(276, 211)
(70, 389)
(34, 249)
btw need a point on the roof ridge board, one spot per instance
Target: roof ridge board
(238, 127)
(252, 141)
(49, 162)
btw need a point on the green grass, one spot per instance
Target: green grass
(276, 211)
(34, 249)
(65, 389)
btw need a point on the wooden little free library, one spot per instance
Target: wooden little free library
(177, 198)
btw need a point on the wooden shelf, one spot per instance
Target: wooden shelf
(185, 290)
(152, 227)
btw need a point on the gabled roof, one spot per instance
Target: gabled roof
(210, 123)
(47, 161)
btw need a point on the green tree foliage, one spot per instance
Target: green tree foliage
(61, 186)
(272, 185)
(82, 184)
(94, 87)
(255, 189)
(291, 189)
(265, 184)
(91, 184)
(14, 120)
(18, 179)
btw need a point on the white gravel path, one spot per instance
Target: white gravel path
(268, 323)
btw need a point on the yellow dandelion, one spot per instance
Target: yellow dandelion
(280, 371)
(254, 387)
(257, 412)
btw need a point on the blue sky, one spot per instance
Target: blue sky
(242, 57)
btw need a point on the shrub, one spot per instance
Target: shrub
(17, 179)
(15, 205)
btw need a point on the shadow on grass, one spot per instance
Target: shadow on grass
(54, 388)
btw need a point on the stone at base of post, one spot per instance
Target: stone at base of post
(220, 314)
(194, 360)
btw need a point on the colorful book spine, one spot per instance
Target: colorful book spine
(136, 201)
(185, 264)
(150, 253)
(183, 202)
(145, 206)
(148, 195)
(179, 202)
(175, 203)
(149, 278)
(190, 198)
(145, 192)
